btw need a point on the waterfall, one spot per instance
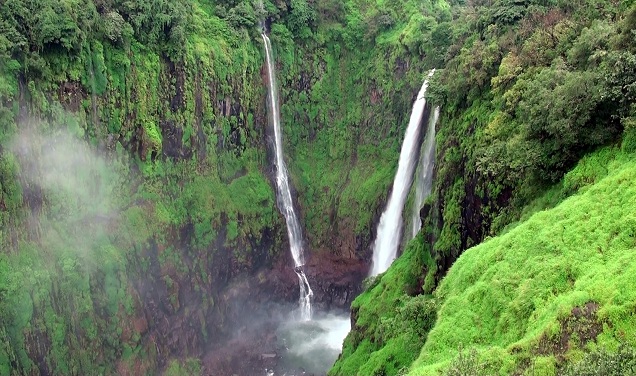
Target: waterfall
(424, 177)
(390, 226)
(283, 197)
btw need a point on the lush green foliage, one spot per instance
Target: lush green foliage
(527, 89)
(513, 304)
(84, 231)
(347, 90)
(512, 295)
(171, 95)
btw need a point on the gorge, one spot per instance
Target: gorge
(151, 224)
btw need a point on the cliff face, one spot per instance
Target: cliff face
(139, 223)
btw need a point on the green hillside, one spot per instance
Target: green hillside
(558, 284)
(528, 91)
(551, 288)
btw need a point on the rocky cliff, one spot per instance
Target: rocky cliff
(139, 225)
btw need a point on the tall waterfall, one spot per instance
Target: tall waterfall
(424, 178)
(390, 226)
(284, 198)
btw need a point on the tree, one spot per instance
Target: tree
(301, 16)
(242, 16)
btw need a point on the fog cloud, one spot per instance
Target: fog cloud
(72, 192)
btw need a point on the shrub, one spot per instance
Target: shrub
(603, 362)
(466, 364)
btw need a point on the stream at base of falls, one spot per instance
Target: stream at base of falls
(311, 346)
(281, 346)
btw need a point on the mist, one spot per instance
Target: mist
(73, 194)
(97, 254)
(313, 346)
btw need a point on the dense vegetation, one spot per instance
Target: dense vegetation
(533, 300)
(127, 130)
(135, 184)
(363, 60)
(124, 131)
(532, 94)
(527, 89)
(549, 289)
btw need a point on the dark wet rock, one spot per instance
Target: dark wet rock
(172, 142)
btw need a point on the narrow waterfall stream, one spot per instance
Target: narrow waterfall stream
(390, 226)
(424, 179)
(313, 343)
(284, 197)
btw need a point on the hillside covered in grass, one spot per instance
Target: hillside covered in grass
(534, 299)
(557, 285)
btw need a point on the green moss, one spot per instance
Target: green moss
(154, 134)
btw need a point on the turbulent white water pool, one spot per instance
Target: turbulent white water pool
(313, 345)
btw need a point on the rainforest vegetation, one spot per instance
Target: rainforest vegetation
(138, 217)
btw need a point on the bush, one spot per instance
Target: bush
(466, 364)
(300, 16)
(605, 363)
(415, 319)
(629, 135)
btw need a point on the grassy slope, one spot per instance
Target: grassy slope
(507, 295)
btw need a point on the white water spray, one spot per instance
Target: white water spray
(424, 179)
(313, 345)
(390, 226)
(284, 198)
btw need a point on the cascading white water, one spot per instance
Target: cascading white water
(424, 179)
(284, 198)
(389, 229)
